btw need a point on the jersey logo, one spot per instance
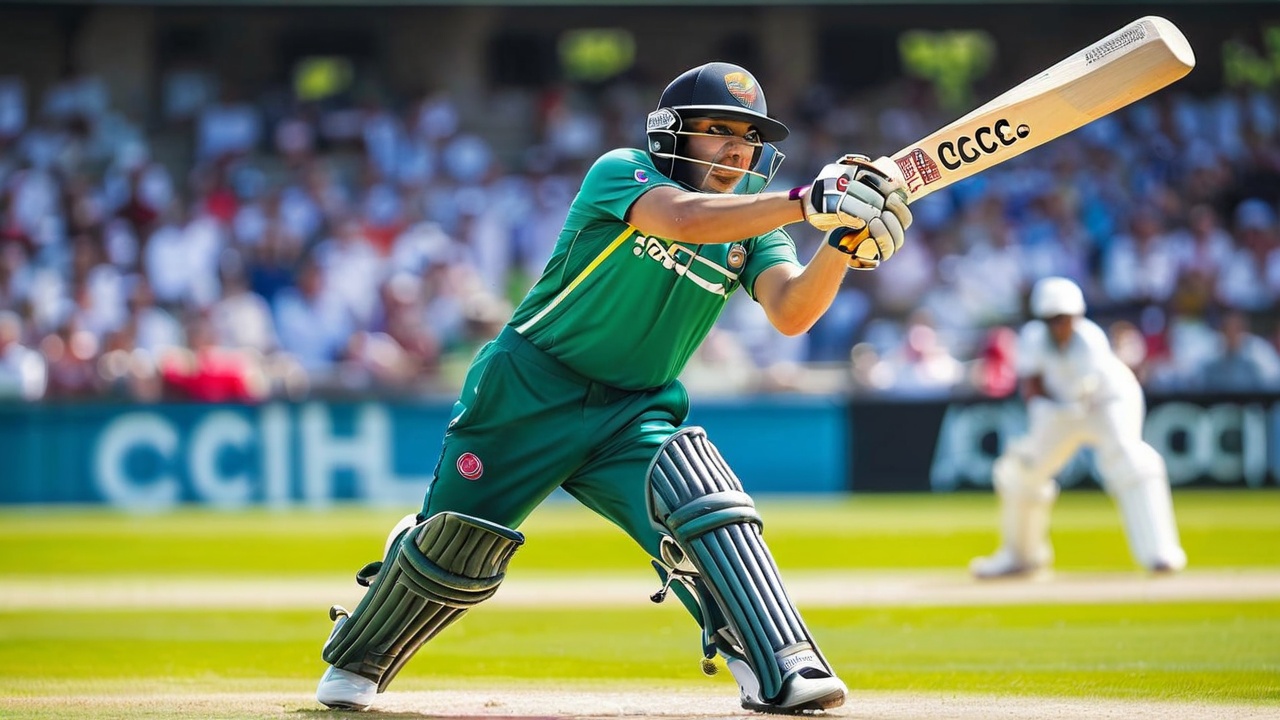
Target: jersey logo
(642, 176)
(469, 466)
(737, 256)
(688, 264)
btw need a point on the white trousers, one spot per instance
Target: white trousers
(1131, 471)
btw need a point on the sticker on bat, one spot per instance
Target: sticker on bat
(985, 141)
(918, 169)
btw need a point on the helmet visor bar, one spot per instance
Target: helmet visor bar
(711, 165)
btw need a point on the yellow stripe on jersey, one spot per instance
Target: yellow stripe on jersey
(578, 280)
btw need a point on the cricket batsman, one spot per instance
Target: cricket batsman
(579, 391)
(1078, 393)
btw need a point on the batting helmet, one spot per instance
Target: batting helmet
(1054, 296)
(714, 90)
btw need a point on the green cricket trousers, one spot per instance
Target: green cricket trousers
(526, 424)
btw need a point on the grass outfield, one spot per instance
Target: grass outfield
(1225, 650)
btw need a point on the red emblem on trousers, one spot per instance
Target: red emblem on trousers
(469, 466)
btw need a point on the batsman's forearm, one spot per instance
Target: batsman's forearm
(808, 294)
(705, 219)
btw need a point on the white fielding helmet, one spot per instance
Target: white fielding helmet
(1053, 296)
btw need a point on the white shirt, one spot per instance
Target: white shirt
(1133, 272)
(1085, 369)
(23, 373)
(244, 320)
(182, 262)
(1248, 284)
(157, 330)
(313, 330)
(167, 265)
(353, 271)
(227, 128)
(35, 197)
(106, 311)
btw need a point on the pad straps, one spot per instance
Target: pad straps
(696, 496)
(431, 577)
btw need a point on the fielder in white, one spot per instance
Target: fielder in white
(1078, 394)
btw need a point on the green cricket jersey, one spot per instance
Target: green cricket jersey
(626, 309)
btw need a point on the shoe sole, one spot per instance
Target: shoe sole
(1040, 573)
(345, 707)
(826, 702)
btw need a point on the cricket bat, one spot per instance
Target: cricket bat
(1123, 67)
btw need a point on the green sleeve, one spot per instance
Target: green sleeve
(616, 180)
(770, 249)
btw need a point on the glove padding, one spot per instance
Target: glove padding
(847, 240)
(853, 194)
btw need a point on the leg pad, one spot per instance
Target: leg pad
(695, 496)
(430, 577)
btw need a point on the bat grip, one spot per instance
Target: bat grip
(889, 168)
(884, 166)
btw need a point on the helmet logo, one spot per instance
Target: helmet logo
(742, 87)
(661, 119)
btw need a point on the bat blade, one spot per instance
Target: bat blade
(1121, 68)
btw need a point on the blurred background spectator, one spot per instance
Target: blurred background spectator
(23, 374)
(1242, 361)
(232, 241)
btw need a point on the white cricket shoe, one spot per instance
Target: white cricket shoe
(346, 690)
(1005, 563)
(1170, 562)
(800, 693)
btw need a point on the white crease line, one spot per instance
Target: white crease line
(916, 589)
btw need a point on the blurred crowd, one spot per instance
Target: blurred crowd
(364, 245)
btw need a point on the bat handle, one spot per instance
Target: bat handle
(883, 165)
(889, 168)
